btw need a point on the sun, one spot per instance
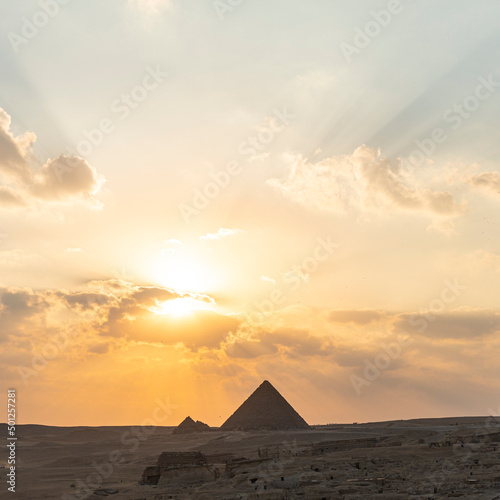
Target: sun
(180, 307)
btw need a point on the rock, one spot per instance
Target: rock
(104, 492)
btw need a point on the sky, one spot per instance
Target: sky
(196, 196)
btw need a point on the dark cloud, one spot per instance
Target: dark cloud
(248, 349)
(487, 180)
(22, 302)
(101, 348)
(360, 317)
(453, 325)
(298, 343)
(84, 301)
(294, 343)
(20, 311)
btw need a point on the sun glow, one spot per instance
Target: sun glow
(184, 273)
(180, 307)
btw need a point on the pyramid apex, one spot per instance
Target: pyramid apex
(266, 386)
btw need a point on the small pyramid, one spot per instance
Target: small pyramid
(265, 409)
(188, 425)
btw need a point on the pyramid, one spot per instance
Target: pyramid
(265, 409)
(188, 425)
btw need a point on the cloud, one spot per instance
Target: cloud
(14, 151)
(113, 310)
(363, 181)
(297, 343)
(487, 180)
(101, 348)
(443, 226)
(202, 328)
(64, 178)
(268, 279)
(291, 342)
(221, 233)
(113, 323)
(85, 301)
(9, 198)
(459, 324)
(248, 349)
(22, 312)
(135, 317)
(173, 242)
(171, 246)
(360, 317)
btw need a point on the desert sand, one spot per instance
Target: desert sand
(415, 459)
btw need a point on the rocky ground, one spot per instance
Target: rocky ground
(420, 459)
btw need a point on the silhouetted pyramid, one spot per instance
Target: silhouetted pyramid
(265, 409)
(188, 425)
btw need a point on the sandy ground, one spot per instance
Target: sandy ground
(431, 459)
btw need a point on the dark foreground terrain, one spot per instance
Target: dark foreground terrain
(418, 459)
